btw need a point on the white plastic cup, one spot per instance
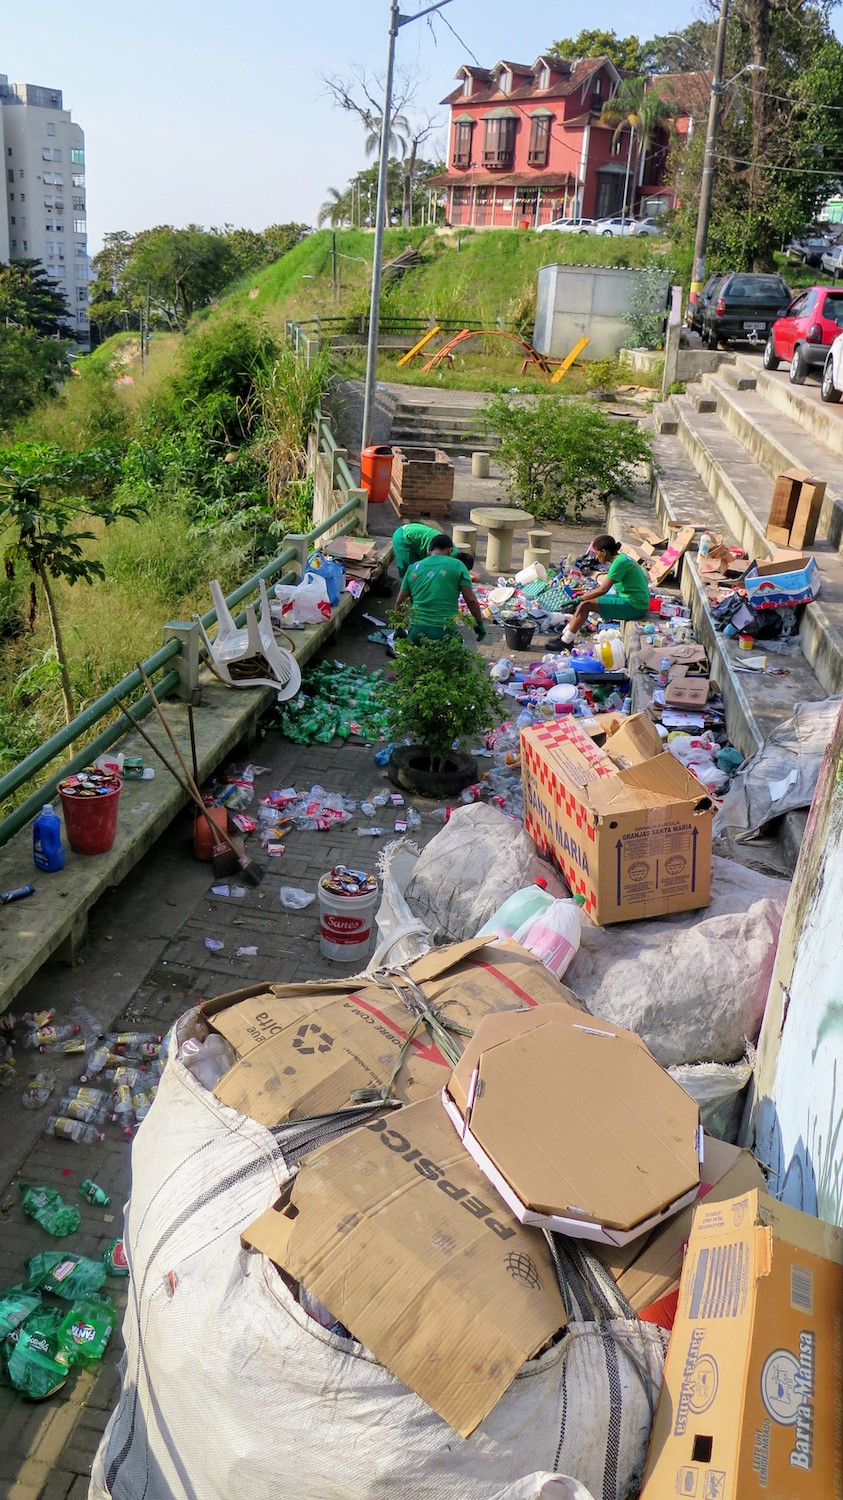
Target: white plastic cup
(533, 574)
(345, 924)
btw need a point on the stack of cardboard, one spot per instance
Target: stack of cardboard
(795, 510)
(358, 556)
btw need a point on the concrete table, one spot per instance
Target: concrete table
(500, 521)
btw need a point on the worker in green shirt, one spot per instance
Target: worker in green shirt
(412, 543)
(625, 595)
(432, 586)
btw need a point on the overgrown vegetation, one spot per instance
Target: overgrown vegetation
(562, 455)
(441, 692)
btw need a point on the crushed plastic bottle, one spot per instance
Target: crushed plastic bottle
(16, 1305)
(65, 1274)
(37, 1364)
(73, 1130)
(86, 1104)
(114, 1258)
(141, 1104)
(38, 1089)
(50, 1038)
(86, 1329)
(208, 1060)
(48, 1208)
(94, 1194)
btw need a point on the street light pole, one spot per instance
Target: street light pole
(396, 21)
(704, 212)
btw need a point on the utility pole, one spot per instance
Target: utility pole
(704, 212)
(396, 21)
(335, 281)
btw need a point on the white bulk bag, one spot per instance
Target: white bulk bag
(230, 1389)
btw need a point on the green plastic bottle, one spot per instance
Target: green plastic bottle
(66, 1274)
(37, 1365)
(94, 1194)
(49, 1209)
(114, 1259)
(86, 1329)
(16, 1305)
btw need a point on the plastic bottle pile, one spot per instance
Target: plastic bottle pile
(590, 678)
(335, 701)
(117, 1085)
(61, 1316)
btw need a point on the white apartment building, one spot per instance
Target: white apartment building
(44, 218)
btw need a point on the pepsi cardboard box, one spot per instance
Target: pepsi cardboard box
(627, 825)
(753, 1388)
(787, 579)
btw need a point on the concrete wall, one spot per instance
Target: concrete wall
(691, 364)
(796, 1121)
(577, 301)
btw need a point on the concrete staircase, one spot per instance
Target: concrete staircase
(717, 449)
(454, 425)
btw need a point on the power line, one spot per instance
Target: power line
(803, 103)
(741, 161)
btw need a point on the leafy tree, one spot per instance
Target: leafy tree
(441, 692)
(29, 297)
(625, 52)
(638, 109)
(562, 455)
(335, 210)
(181, 269)
(30, 367)
(46, 498)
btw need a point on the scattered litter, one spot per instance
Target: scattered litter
(214, 945)
(236, 891)
(38, 1089)
(250, 952)
(48, 1208)
(374, 620)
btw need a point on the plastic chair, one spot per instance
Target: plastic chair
(254, 641)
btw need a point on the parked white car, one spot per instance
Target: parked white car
(571, 226)
(629, 226)
(831, 388)
(832, 261)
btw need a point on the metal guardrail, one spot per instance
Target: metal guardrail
(64, 738)
(332, 327)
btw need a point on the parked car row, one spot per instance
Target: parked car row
(740, 306)
(616, 225)
(806, 331)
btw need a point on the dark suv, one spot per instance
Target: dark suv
(744, 307)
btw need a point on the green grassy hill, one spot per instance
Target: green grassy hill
(480, 275)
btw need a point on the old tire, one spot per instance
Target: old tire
(828, 390)
(798, 368)
(409, 769)
(769, 358)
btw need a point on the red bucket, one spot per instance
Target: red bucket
(90, 822)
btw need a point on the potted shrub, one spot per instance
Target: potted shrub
(441, 693)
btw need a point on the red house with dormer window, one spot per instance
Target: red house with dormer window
(526, 146)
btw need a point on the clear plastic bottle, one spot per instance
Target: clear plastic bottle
(554, 935)
(516, 910)
(46, 1038)
(73, 1130)
(81, 1106)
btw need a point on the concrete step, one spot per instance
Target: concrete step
(741, 490)
(739, 380)
(801, 402)
(439, 411)
(700, 398)
(779, 442)
(754, 704)
(664, 418)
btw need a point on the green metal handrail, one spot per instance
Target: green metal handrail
(39, 759)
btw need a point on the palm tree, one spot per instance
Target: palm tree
(334, 210)
(638, 108)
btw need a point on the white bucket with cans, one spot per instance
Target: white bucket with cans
(345, 924)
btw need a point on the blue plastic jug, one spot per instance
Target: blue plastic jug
(47, 848)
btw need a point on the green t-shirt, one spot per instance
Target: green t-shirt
(435, 585)
(418, 537)
(629, 579)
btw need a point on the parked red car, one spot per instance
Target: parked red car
(805, 332)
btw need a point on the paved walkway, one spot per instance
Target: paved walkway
(146, 962)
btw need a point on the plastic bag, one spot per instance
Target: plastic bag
(332, 572)
(294, 898)
(49, 1209)
(553, 934)
(16, 1305)
(717, 1088)
(66, 1274)
(207, 1060)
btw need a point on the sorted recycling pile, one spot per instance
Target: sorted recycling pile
(336, 701)
(42, 1339)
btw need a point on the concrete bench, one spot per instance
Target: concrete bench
(54, 920)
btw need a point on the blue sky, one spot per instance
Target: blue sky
(215, 113)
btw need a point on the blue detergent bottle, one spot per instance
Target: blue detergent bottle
(47, 848)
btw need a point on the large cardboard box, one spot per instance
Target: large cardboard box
(753, 1389)
(647, 1270)
(628, 826)
(397, 1231)
(787, 579)
(786, 492)
(308, 1050)
(795, 511)
(808, 511)
(521, 1100)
